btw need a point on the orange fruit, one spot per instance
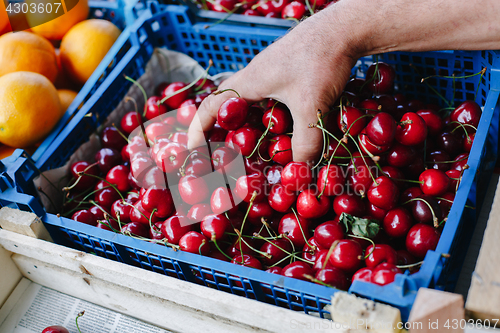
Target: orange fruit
(56, 27)
(84, 47)
(26, 51)
(66, 97)
(29, 108)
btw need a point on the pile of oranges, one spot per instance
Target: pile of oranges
(43, 67)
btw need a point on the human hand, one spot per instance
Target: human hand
(307, 70)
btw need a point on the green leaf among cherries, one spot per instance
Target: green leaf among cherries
(360, 226)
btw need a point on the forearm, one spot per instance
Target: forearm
(378, 26)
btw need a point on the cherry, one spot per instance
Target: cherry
(347, 255)
(197, 212)
(111, 138)
(294, 9)
(171, 157)
(396, 175)
(327, 233)
(412, 129)
(422, 238)
(380, 78)
(334, 277)
(297, 270)
(375, 212)
(130, 121)
(423, 208)
(445, 202)
(193, 190)
(246, 139)
(153, 108)
(247, 185)
(415, 168)
(97, 212)
(136, 229)
(331, 180)
(160, 200)
(174, 228)
(280, 117)
(363, 274)
(217, 134)
(359, 173)
(338, 150)
(381, 129)
(297, 230)
(432, 120)
(311, 249)
(450, 142)
(154, 177)
(273, 174)
(194, 242)
(405, 258)
(238, 247)
(350, 204)
(383, 193)
(350, 120)
(455, 177)
(55, 329)
(85, 181)
(155, 231)
(186, 112)
(380, 253)
(84, 216)
(106, 196)
(385, 273)
(107, 158)
(222, 158)
(205, 84)
(141, 215)
(180, 137)
(320, 257)
(157, 130)
(280, 149)
(368, 146)
(400, 155)
(310, 206)
(469, 112)
(258, 211)
(388, 104)
(278, 249)
(121, 209)
(296, 176)
(255, 164)
(460, 162)
(370, 106)
(214, 226)
(222, 200)
(251, 12)
(247, 260)
(434, 182)
(254, 116)
(266, 7)
(176, 100)
(222, 6)
(440, 159)
(118, 176)
(198, 167)
(281, 199)
(397, 222)
(232, 113)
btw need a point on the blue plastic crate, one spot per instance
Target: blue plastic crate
(175, 28)
(116, 13)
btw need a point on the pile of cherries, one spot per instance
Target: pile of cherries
(370, 208)
(286, 9)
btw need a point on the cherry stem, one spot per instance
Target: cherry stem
(375, 73)
(229, 13)
(362, 157)
(308, 5)
(300, 226)
(340, 142)
(120, 132)
(410, 265)
(139, 118)
(313, 279)
(366, 239)
(434, 218)
(210, 64)
(264, 254)
(460, 125)
(203, 242)
(80, 174)
(373, 158)
(262, 137)
(482, 72)
(319, 114)
(431, 87)
(240, 232)
(218, 248)
(152, 227)
(143, 93)
(76, 320)
(328, 255)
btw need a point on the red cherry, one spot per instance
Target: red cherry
(380, 78)
(155, 231)
(217, 134)
(370, 106)
(141, 215)
(193, 190)
(363, 274)
(180, 137)
(381, 129)
(174, 228)
(334, 277)
(327, 233)
(450, 142)
(295, 230)
(55, 329)
(385, 273)
(381, 253)
(157, 130)
(171, 157)
(266, 7)
(432, 120)
(106, 196)
(469, 112)
(118, 176)
(130, 121)
(247, 185)
(350, 204)
(194, 242)
(111, 138)
(397, 222)
(422, 238)
(154, 177)
(258, 211)
(197, 212)
(311, 250)
(400, 155)
(85, 181)
(153, 108)
(440, 159)
(198, 167)
(297, 270)
(360, 173)
(351, 120)
(136, 229)
(331, 180)
(221, 200)
(368, 146)
(222, 6)
(278, 249)
(320, 258)
(160, 200)
(294, 9)
(175, 98)
(435, 182)
(347, 255)
(214, 226)
(455, 177)
(238, 247)
(423, 209)
(280, 118)
(232, 113)
(383, 193)
(121, 209)
(255, 164)
(222, 159)
(186, 112)
(405, 258)
(247, 260)
(273, 174)
(460, 162)
(281, 199)
(84, 216)
(296, 176)
(246, 138)
(412, 129)
(280, 149)
(376, 212)
(468, 141)
(310, 206)
(97, 212)
(395, 174)
(251, 12)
